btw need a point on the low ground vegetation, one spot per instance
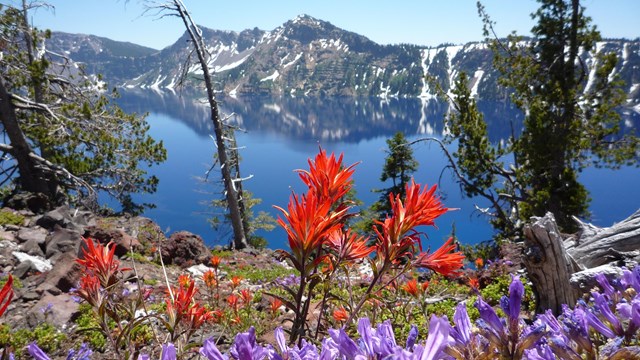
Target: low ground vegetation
(329, 296)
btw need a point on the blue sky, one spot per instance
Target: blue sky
(421, 22)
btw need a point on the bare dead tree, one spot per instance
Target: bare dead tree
(231, 184)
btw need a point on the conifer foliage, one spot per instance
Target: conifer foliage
(66, 137)
(570, 123)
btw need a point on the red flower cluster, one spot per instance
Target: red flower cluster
(397, 237)
(183, 307)
(443, 260)
(99, 261)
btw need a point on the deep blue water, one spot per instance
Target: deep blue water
(281, 134)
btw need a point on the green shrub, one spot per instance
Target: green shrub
(88, 326)
(8, 217)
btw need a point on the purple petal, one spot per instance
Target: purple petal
(562, 349)
(36, 352)
(489, 316)
(280, 340)
(516, 291)
(384, 341)
(168, 352)
(631, 278)
(346, 346)
(602, 306)
(329, 349)
(437, 339)
(604, 284)
(412, 337)
(598, 325)
(542, 352)
(210, 350)
(366, 337)
(461, 332)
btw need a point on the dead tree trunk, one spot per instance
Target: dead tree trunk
(230, 184)
(562, 268)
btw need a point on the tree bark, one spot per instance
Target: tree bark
(563, 268)
(31, 178)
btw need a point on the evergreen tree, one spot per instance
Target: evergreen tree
(570, 123)
(66, 136)
(398, 167)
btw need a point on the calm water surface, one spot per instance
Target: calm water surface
(281, 134)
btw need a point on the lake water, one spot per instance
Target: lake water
(282, 133)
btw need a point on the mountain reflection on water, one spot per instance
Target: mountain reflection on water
(336, 119)
(280, 134)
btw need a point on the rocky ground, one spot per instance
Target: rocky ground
(40, 251)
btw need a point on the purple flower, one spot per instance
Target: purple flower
(630, 312)
(144, 357)
(562, 349)
(598, 325)
(168, 352)
(366, 337)
(516, 291)
(345, 346)
(437, 339)
(245, 346)
(412, 337)
(210, 351)
(491, 321)
(602, 306)
(461, 332)
(604, 284)
(83, 353)
(36, 352)
(631, 278)
(385, 341)
(542, 352)
(329, 350)
(305, 351)
(46, 309)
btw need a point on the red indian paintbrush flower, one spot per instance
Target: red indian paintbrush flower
(474, 283)
(308, 221)
(183, 307)
(411, 287)
(99, 260)
(340, 314)
(6, 294)
(327, 177)
(209, 278)
(232, 300)
(443, 260)
(235, 281)
(215, 261)
(275, 305)
(246, 296)
(90, 290)
(182, 300)
(348, 246)
(184, 280)
(397, 236)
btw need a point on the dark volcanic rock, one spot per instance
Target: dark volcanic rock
(184, 249)
(61, 241)
(124, 242)
(68, 218)
(37, 234)
(64, 275)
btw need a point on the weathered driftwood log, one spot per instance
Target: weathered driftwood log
(562, 268)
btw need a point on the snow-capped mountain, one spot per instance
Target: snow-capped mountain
(311, 57)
